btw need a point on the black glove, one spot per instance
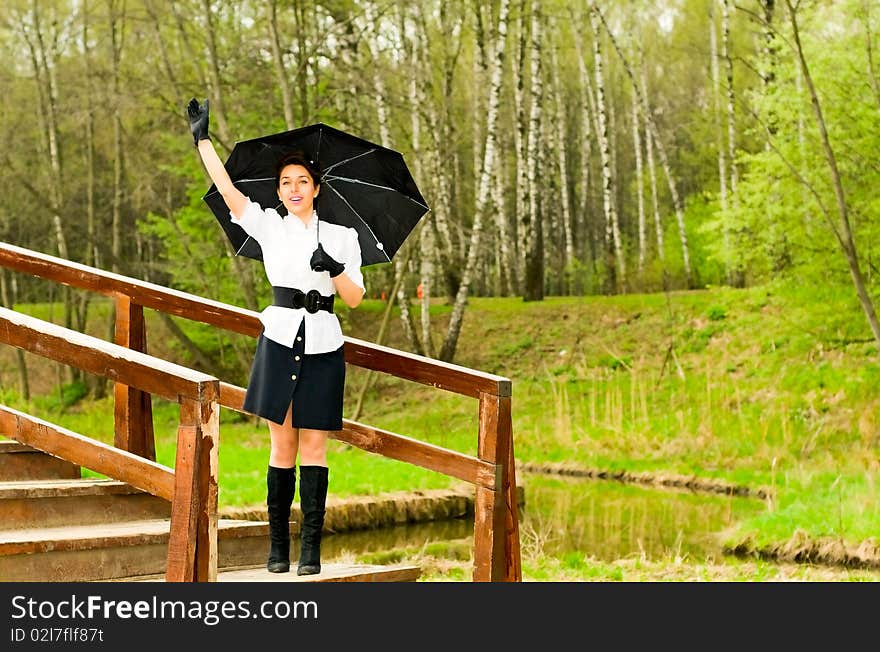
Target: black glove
(198, 120)
(322, 262)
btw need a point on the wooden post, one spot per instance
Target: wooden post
(208, 472)
(133, 411)
(192, 544)
(496, 527)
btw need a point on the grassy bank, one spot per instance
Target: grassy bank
(772, 388)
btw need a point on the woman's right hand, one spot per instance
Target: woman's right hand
(198, 120)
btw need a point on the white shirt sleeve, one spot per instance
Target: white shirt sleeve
(253, 220)
(352, 258)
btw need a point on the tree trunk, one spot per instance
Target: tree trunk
(613, 269)
(533, 230)
(520, 138)
(380, 93)
(98, 384)
(280, 69)
(116, 45)
(561, 145)
(652, 176)
(43, 60)
(447, 350)
(737, 274)
(587, 249)
(218, 104)
(661, 152)
(640, 185)
(844, 232)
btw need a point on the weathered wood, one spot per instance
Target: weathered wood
(100, 358)
(434, 458)
(333, 572)
(192, 546)
(192, 553)
(374, 440)
(20, 462)
(142, 293)
(133, 412)
(503, 428)
(420, 369)
(206, 541)
(496, 533)
(426, 371)
(55, 440)
(123, 551)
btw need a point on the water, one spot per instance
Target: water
(611, 520)
(602, 519)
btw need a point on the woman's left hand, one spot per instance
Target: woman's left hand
(323, 262)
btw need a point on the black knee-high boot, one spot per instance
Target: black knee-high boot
(312, 499)
(280, 487)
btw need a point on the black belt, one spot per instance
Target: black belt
(312, 301)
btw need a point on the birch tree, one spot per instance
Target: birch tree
(614, 270)
(561, 146)
(533, 227)
(587, 119)
(661, 151)
(735, 276)
(483, 199)
(652, 173)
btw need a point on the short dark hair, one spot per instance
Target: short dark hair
(298, 157)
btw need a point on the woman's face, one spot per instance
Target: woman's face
(297, 190)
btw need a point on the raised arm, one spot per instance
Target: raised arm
(198, 124)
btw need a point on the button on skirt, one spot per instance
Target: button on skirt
(313, 383)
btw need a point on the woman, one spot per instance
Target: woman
(298, 374)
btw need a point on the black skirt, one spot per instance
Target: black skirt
(314, 383)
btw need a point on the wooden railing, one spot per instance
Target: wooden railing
(492, 471)
(191, 486)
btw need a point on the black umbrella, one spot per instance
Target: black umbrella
(364, 186)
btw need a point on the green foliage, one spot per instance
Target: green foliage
(784, 214)
(716, 313)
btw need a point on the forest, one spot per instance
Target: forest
(564, 148)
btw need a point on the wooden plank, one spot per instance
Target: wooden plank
(31, 464)
(110, 535)
(424, 370)
(100, 358)
(133, 413)
(185, 505)
(374, 440)
(434, 458)
(145, 294)
(144, 474)
(489, 507)
(421, 369)
(495, 419)
(206, 541)
(329, 573)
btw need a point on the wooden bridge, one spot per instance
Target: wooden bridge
(191, 487)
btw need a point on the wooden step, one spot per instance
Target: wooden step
(20, 462)
(330, 572)
(76, 501)
(116, 550)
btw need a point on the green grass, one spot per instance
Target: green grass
(773, 387)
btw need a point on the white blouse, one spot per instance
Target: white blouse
(287, 246)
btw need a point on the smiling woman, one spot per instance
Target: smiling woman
(298, 374)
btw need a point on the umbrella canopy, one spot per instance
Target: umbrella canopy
(364, 186)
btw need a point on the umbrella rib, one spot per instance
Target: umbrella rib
(376, 185)
(361, 219)
(242, 245)
(338, 163)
